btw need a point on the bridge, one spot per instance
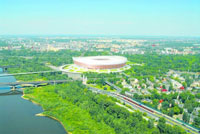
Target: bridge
(5, 68)
(114, 86)
(26, 73)
(14, 85)
(33, 82)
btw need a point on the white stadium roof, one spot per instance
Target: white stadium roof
(101, 60)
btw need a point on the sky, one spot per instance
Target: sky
(100, 17)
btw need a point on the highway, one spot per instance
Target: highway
(96, 90)
(150, 112)
(26, 73)
(169, 119)
(114, 86)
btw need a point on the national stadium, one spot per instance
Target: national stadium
(99, 64)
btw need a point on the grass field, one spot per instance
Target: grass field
(75, 69)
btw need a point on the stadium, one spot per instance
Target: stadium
(100, 62)
(97, 64)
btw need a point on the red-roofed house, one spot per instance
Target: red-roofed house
(160, 101)
(164, 90)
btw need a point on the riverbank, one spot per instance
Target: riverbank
(56, 100)
(42, 114)
(18, 115)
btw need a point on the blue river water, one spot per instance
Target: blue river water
(17, 116)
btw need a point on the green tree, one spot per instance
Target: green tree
(161, 125)
(176, 110)
(171, 112)
(171, 87)
(186, 117)
(197, 122)
(150, 123)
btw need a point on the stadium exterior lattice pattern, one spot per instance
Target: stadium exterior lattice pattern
(100, 62)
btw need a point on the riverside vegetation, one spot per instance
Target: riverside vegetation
(83, 112)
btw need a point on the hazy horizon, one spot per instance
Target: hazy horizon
(101, 18)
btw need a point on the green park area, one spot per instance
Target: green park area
(75, 69)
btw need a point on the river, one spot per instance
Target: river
(17, 116)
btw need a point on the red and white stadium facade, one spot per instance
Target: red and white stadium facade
(100, 62)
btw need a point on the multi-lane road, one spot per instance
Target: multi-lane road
(150, 112)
